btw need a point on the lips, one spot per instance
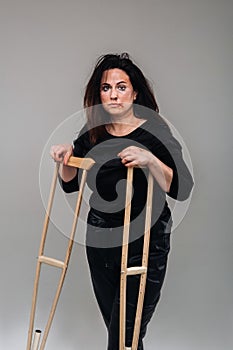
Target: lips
(114, 105)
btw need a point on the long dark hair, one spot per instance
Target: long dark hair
(97, 117)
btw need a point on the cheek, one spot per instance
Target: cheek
(128, 96)
(103, 97)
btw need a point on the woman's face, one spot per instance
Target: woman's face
(116, 92)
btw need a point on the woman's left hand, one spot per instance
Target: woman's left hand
(135, 156)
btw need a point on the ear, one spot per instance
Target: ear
(135, 95)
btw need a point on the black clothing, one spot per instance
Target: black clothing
(105, 220)
(106, 175)
(105, 266)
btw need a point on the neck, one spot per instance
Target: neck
(126, 120)
(123, 126)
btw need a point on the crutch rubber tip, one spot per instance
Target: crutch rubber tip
(37, 331)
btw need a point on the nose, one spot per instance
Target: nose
(113, 94)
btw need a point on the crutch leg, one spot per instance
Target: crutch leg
(145, 254)
(41, 250)
(84, 164)
(124, 258)
(137, 270)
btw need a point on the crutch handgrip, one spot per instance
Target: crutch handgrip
(81, 163)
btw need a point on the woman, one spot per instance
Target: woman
(124, 130)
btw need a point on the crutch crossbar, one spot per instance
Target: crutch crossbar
(135, 270)
(84, 164)
(51, 261)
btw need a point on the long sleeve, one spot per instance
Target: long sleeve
(182, 181)
(70, 186)
(169, 151)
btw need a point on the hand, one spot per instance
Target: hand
(135, 156)
(61, 153)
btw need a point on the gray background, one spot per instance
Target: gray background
(48, 49)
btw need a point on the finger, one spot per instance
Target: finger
(126, 155)
(129, 159)
(55, 155)
(126, 159)
(131, 150)
(124, 151)
(53, 151)
(131, 164)
(58, 155)
(67, 156)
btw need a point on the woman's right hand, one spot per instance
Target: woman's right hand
(61, 153)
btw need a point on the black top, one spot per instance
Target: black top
(104, 178)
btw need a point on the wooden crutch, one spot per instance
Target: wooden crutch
(84, 164)
(136, 270)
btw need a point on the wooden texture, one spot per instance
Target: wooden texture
(81, 163)
(84, 164)
(145, 255)
(51, 261)
(124, 257)
(136, 270)
(41, 250)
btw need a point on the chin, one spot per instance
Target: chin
(115, 111)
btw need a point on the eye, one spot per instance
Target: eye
(105, 88)
(122, 87)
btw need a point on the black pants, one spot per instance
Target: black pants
(105, 263)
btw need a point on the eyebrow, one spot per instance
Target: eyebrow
(119, 82)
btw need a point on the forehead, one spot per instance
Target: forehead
(114, 75)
